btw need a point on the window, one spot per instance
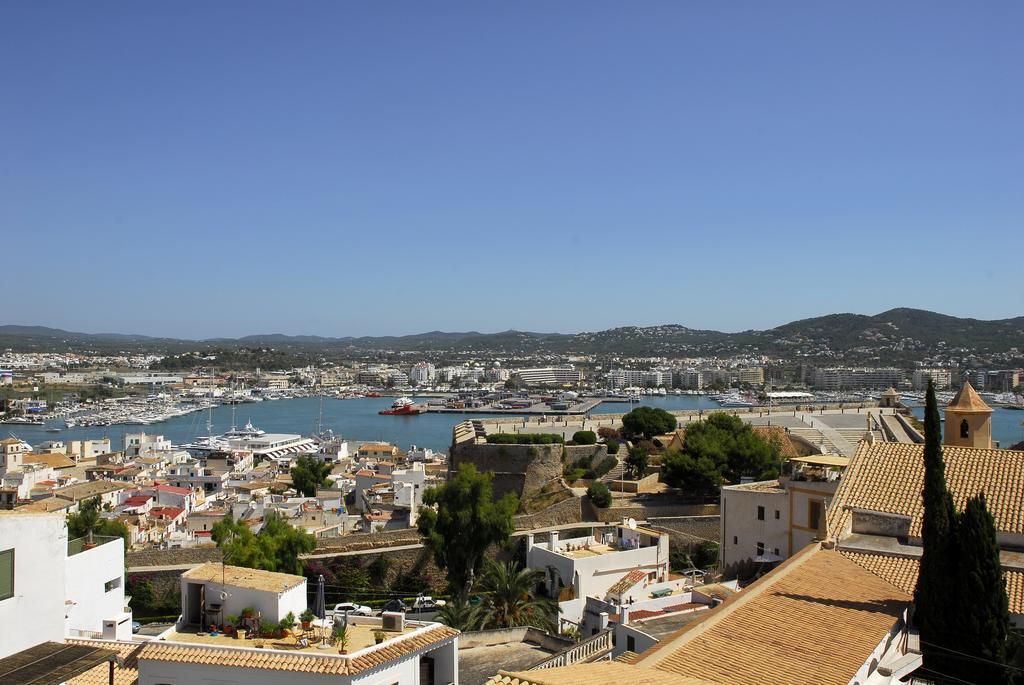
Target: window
(760, 513)
(6, 574)
(776, 551)
(814, 514)
(776, 514)
(111, 584)
(760, 548)
(965, 430)
(630, 643)
(735, 540)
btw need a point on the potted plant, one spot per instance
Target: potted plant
(378, 636)
(248, 612)
(341, 639)
(307, 618)
(286, 624)
(229, 624)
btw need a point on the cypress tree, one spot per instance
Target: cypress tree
(934, 615)
(983, 620)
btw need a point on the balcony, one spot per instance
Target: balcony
(79, 545)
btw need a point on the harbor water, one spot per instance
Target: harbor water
(357, 419)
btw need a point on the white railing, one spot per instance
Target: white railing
(589, 650)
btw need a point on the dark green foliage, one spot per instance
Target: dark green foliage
(463, 616)
(276, 548)
(581, 468)
(599, 494)
(525, 439)
(308, 474)
(584, 438)
(695, 475)
(647, 422)
(612, 446)
(512, 598)
(467, 521)
(983, 619)
(88, 521)
(636, 462)
(720, 449)
(933, 613)
(702, 555)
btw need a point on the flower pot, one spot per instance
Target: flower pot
(342, 651)
(240, 634)
(306, 624)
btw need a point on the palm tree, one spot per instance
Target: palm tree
(513, 598)
(462, 615)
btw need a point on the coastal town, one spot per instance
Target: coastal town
(460, 343)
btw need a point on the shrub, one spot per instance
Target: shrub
(612, 446)
(606, 433)
(647, 422)
(584, 437)
(599, 495)
(525, 439)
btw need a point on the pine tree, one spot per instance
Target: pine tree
(934, 615)
(983, 618)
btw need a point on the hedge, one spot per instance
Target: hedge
(525, 439)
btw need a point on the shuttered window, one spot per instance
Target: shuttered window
(6, 574)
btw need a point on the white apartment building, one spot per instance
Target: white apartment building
(839, 378)
(138, 444)
(778, 518)
(942, 378)
(565, 374)
(422, 373)
(51, 588)
(592, 565)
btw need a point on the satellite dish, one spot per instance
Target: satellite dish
(631, 522)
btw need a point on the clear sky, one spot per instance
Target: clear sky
(200, 169)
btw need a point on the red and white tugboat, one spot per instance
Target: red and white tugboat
(402, 406)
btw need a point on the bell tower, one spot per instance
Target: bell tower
(968, 420)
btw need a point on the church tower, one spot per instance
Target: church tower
(968, 420)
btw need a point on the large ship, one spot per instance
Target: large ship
(401, 406)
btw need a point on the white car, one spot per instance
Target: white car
(350, 608)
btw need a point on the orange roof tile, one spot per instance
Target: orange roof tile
(785, 627)
(126, 668)
(889, 477)
(588, 674)
(53, 460)
(902, 572)
(967, 401)
(627, 581)
(272, 660)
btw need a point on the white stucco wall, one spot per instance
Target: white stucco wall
(36, 611)
(593, 576)
(741, 529)
(84, 584)
(271, 605)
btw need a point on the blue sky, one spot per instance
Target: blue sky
(206, 169)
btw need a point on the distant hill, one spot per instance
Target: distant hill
(892, 336)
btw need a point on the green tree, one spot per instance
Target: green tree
(933, 612)
(697, 475)
(636, 462)
(277, 548)
(647, 422)
(88, 522)
(467, 520)
(983, 620)
(309, 473)
(462, 615)
(584, 438)
(599, 494)
(513, 599)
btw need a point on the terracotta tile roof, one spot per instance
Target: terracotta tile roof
(641, 614)
(902, 572)
(236, 576)
(627, 657)
(627, 581)
(788, 446)
(589, 674)
(967, 401)
(169, 512)
(889, 477)
(81, 491)
(53, 460)
(686, 606)
(46, 505)
(303, 662)
(785, 628)
(127, 673)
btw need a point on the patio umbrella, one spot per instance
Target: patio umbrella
(318, 606)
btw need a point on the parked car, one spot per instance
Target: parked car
(427, 603)
(136, 626)
(395, 605)
(351, 608)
